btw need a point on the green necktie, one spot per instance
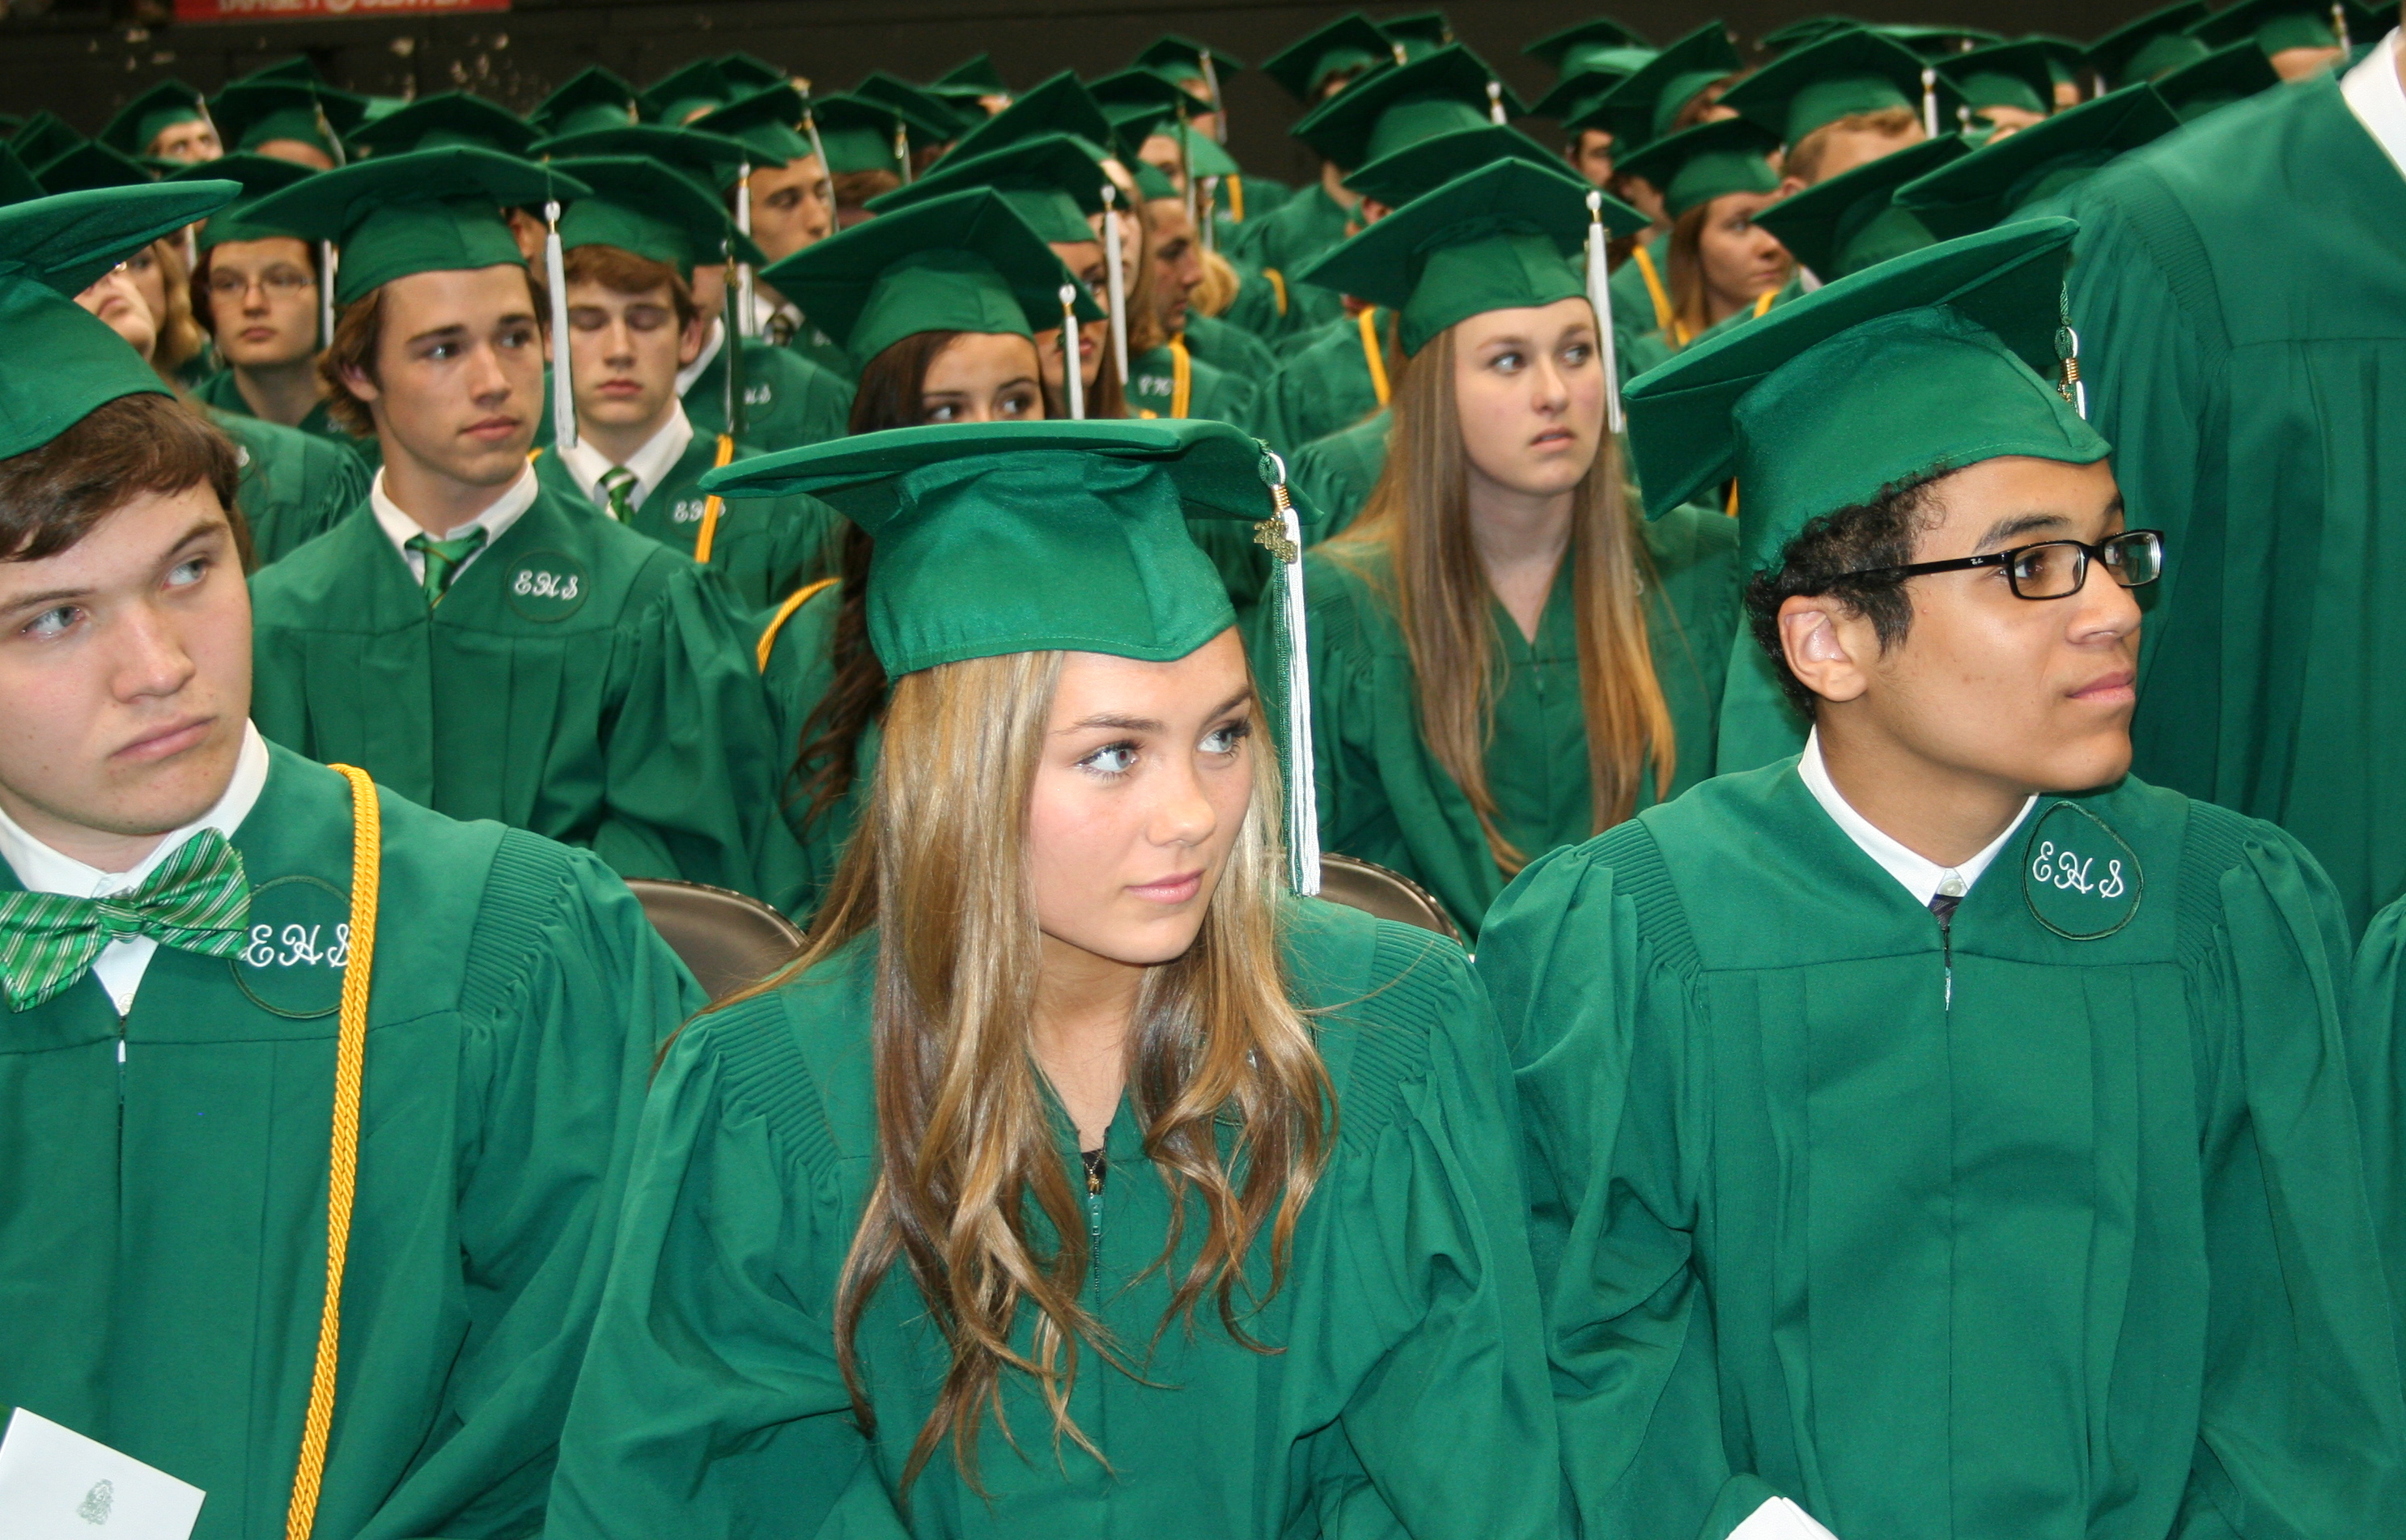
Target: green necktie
(620, 483)
(444, 558)
(198, 900)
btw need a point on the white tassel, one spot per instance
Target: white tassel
(1930, 101)
(327, 260)
(1219, 108)
(1209, 225)
(818, 152)
(1599, 294)
(1496, 102)
(902, 150)
(747, 320)
(2338, 26)
(1302, 791)
(2079, 386)
(1118, 279)
(563, 376)
(1073, 377)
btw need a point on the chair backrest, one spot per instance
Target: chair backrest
(1373, 889)
(727, 939)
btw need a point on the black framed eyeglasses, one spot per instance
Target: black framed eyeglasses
(2055, 568)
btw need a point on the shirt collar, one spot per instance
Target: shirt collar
(42, 870)
(651, 464)
(495, 521)
(710, 346)
(1923, 877)
(2377, 97)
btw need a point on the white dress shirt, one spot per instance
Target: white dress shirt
(495, 521)
(2378, 98)
(651, 464)
(40, 868)
(710, 346)
(1923, 877)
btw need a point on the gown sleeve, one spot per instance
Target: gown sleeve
(1599, 1011)
(710, 1403)
(689, 751)
(1453, 1423)
(568, 994)
(2301, 1420)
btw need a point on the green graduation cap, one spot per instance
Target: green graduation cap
(2274, 24)
(751, 72)
(1579, 93)
(64, 362)
(932, 120)
(1844, 74)
(2005, 75)
(2154, 44)
(1938, 360)
(1052, 184)
(254, 112)
(1935, 43)
(1396, 180)
(1203, 155)
(593, 99)
(1851, 221)
(1419, 35)
(860, 135)
(971, 81)
(1183, 59)
(1698, 164)
(89, 165)
(1987, 186)
(450, 118)
(1061, 105)
(1503, 237)
(258, 175)
(710, 161)
(2226, 74)
(1570, 50)
(1141, 85)
(17, 184)
(1805, 32)
(1645, 105)
(1451, 89)
(44, 139)
(431, 211)
(646, 208)
(140, 121)
(1347, 46)
(764, 122)
(2065, 58)
(962, 262)
(997, 538)
(1152, 183)
(683, 95)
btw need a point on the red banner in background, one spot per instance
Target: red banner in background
(321, 10)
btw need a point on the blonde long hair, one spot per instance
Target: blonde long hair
(1418, 517)
(939, 869)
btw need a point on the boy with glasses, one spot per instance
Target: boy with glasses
(1943, 1133)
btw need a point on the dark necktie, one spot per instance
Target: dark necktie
(1943, 905)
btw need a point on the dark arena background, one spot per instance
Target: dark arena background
(83, 59)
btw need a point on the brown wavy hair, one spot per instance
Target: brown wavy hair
(1416, 518)
(971, 1179)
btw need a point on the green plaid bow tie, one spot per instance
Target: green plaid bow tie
(198, 900)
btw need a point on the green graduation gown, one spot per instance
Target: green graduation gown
(797, 676)
(788, 401)
(1326, 385)
(163, 1178)
(1384, 798)
(2238, 293)
(579, 680)
(1949, 1232)
(219, 390)
(1227, 346)
(1337, 470)
(1210, 390)
(1408, 1396)
(294, 487)
(765, 548)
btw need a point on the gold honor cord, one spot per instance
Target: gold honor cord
(1372, 354)
(795, 600)
(711, 507)
(351, 1056)
(1664, 318)
(1181, 379)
